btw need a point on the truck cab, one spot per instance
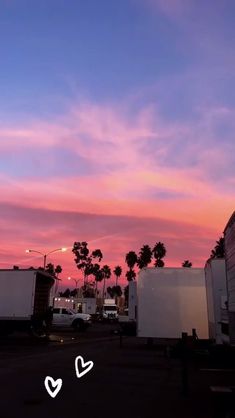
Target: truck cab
(110, 310)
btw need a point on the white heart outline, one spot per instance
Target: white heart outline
(89, 363)
(54, 383)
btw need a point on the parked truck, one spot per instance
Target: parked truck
(109, 310)
(24, 300)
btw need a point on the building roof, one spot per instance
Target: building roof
(230, 221)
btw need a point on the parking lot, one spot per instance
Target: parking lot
(134, 381)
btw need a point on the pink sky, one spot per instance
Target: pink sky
(126, 142)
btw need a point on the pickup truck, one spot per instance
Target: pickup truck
(64, 317)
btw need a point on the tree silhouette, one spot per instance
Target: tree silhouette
(58, 270)
(98, 275)
(106, 275)
(145, 256)
(88, 291)
(219, 249)
(50, 269)
(126, 293)
(187, 263)
(159, 252)
(65, 294)
(84, 260)
(117, 271)
(130, 275)
(131, 260)
(110, 291)
(74, 293)
(16, 268)
(114, 291)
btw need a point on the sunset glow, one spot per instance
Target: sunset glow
(117, 128)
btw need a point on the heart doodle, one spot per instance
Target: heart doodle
(56, 386)
(86, 367)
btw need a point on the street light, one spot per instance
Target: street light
(63, 249)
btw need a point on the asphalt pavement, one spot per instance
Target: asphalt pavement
(132, 381)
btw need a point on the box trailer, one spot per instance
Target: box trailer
(24, 299)
(229, 243)
(216, 293)
(171, 301)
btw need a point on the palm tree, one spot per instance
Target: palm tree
(219, 249)
(83, 260)
(97, 254)
(50, 269)
(145, 256)
(187, 263)
(111, 291)
(114, 291)
(131, 259)
(106, 275)
(130, 275)
(117, 271)
(58, 270)
(159, 252)
(98, 274)
(126, 294)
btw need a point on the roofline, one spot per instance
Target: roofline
(230, 221)
(171, 268)
(45, 273)
(212, 259)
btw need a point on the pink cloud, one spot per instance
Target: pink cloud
(44, 230)
(120, 207)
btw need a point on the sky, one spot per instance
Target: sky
(116, 127)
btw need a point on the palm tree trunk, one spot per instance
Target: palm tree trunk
(103, 289)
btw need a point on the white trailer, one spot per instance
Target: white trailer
(85, 305)
(171, 301)
(229, 241)
(216, 293)
(24, 299)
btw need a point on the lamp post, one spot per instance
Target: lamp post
(63, 249)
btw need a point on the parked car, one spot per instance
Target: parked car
(64, 317)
